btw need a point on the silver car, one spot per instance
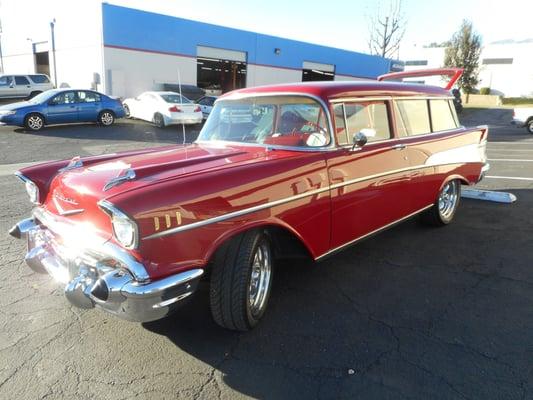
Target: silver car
(23, 86)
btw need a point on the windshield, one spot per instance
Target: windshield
(42, 97)
(175, 98)
(294, 121)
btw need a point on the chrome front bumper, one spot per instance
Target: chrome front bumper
(103, 278)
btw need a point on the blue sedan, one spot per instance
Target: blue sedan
(62, 106)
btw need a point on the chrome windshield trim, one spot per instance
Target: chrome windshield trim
(323, 104)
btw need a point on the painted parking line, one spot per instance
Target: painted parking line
(516, 178)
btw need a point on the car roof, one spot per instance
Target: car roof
(342, 89)
(159, 93)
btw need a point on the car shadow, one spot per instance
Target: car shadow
(127, 130)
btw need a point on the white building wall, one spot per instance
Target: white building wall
(510, 80)
(257, 75)
(78, 38)
(130, 72)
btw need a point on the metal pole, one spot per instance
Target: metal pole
(52, 24)
(181, 101)
(1, 56)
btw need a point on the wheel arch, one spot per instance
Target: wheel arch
(452, 177)
(284, 239)
(40, 113)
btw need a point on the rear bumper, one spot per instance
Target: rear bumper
(186, 119)
(484, 169)
(103, 280)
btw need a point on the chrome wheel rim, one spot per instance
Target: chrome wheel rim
(259, 279)
(448, 199)
(106, 118)
(35, 122)
(158, 120)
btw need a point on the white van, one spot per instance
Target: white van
(23, 86)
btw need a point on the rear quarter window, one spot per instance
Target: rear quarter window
(39, 79)
(414, 117)
(442, 118)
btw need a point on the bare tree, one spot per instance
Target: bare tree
(386, 29)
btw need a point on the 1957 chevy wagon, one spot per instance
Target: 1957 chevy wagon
(310, 167)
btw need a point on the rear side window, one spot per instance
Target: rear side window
(21, 80)
(88, 97)
(414, 117)
(371, 115)
(39, 79)
(442, 118)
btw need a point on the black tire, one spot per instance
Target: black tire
(127, 111)
(158, 120)
(231, 287)
(33, 94)
(439, 216)
(529, 126)
(106, 118)
(34, 122)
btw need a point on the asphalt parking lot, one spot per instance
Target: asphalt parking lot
(415, 312)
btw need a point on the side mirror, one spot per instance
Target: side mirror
(361, 138)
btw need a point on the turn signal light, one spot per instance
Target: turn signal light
(174, 109)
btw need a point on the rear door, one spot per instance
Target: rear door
(63, 108)
(369, 185)
(89, 105)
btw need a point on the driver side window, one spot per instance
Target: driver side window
(371, 115)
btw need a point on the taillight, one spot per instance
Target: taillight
(197, 109)
(174, 109)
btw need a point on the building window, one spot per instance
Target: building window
(416, 62)
(488, 61)
(309, 75)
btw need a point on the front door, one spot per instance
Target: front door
(22, 86)
(63, 108)
(369, 184)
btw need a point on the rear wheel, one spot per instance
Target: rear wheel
(529, 126)
(241, 281)
(34, 122)
(106, 118)
(445, 206)
(159, 121)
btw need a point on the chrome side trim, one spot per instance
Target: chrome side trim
(371, 233)
(287, 200)
(235, 214)
(377, 98)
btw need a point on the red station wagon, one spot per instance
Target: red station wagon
(308, 167)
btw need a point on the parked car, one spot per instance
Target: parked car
(295, 169)
(523, 117)
(62, 106)
(206, 104)
(23, 86)
(163, 108)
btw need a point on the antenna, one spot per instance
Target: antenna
(181, 101)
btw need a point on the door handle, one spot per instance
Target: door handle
(399, 146)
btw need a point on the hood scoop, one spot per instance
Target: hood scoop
(127, 175)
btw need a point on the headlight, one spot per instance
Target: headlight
(33, 191)
(124, 228)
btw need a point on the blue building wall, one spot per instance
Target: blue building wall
(140, 30)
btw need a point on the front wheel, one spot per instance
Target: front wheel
(106, 118)
(34, 122)
(529, 126)
(241, 281)
(445, 206)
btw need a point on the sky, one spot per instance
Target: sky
(344, 23)
(336, 23)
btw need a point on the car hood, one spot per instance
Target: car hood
(16, 106)
(75, 193)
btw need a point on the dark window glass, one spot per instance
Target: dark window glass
(21, 80)
(175, 99)
(5, 80)
(416, 62)
(371, 116)
(39, 79)
(88, 97)
(441, 115)
(64, 98)
(414, 116)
